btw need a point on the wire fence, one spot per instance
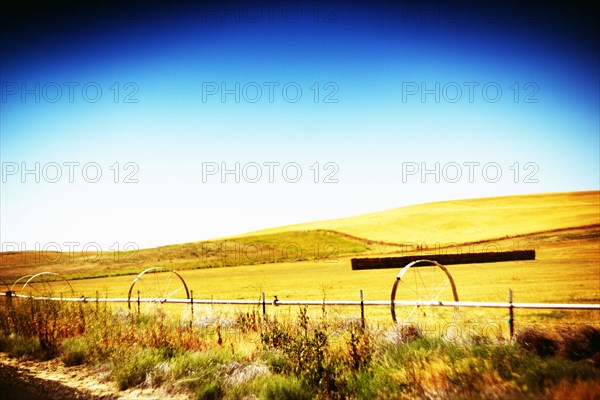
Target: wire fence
(262, 303)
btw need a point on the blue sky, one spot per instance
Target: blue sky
(161, 116)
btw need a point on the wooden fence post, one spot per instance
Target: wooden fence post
(264, 304)
(511, 315)
(191, 308)
(8, 303)
(362, 309)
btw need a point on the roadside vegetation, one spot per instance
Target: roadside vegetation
(295, 353)
(248, 355)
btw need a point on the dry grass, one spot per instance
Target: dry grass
(567, 261)
(427, 225)
(322, 352)
(467, 220)
(567, 269)
(299, 356)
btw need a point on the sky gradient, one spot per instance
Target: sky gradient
(160, 100)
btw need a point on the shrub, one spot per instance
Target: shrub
(539, 373)
(132, 369)
(580, 343)
(409, 333)
(201, 372)
(73, 351)
(20, 346)
(305, 350)
(359, 348)
(5, 343)
(202, 366)
(276, 361)
(537, 341)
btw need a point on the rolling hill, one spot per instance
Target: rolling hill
(469, 220)
(387, 232)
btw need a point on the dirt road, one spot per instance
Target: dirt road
(52, 380)
(17, 384)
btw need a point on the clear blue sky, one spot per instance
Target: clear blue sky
(162, 117)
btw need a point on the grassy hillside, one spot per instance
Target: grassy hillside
(291, 246)
(568, 259)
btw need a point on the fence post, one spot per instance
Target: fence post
(9, 299)
(264, 304)
(138, 301)
(511, 315)
(97, 300)
(362, 309)
(191, 308)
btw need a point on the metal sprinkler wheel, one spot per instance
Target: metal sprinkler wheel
(158, 284)
(428, 282)
(45, 284)
(19, 283)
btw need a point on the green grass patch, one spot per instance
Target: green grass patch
(133, 367)
(291, 246)
(285, 388)
(74, 351)
(18, 345)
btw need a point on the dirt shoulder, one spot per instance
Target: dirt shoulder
(52, 380)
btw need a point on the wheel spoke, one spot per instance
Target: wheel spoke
(174, 292)
(146, 289)
(157, 291)
(441, 290)
(424, 284)
(410, 313)
(158, 285)
(168, 285)
(408, 285)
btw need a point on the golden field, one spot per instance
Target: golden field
(563, 228)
